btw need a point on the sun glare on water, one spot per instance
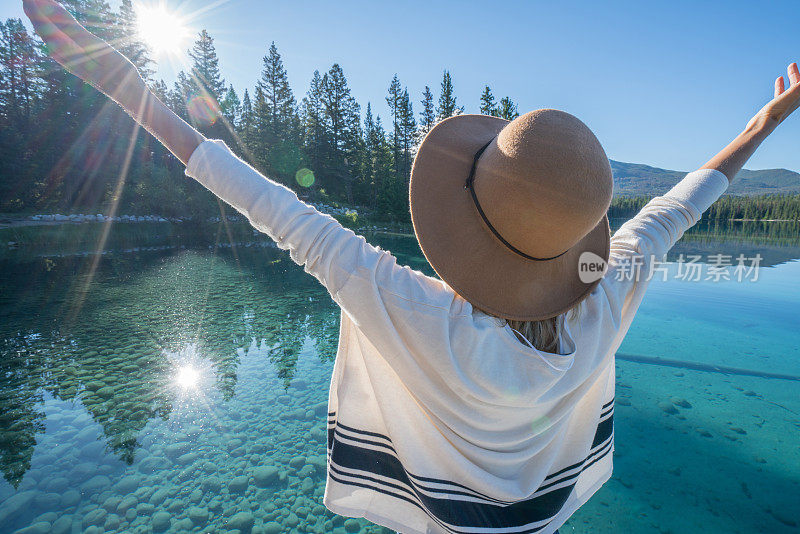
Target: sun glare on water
(187, 377)
(162, 30)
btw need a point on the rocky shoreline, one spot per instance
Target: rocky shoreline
(11, 220)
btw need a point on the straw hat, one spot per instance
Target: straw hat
(507, 213)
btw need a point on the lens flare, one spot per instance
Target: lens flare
(203, 110)
(305, 177)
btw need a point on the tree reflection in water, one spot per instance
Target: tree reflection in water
(105, 345)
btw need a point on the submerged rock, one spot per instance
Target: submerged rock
(62, 525)
(292, 520)
(321, 409)
(307, 470)
(242, 521)
(111, 503)
(352, 526)
(783, 517)
(161, 521)
(58, 484)
(47, 501)
(70, 498)
(238, 484)
(96, 517)
(188, 458)
(174, 450)
(265, 475)
(199, 516)
(127, 502)
(151, 464)
(158, 497)
(211, 484)
(683, 403)
(95, 483)
(40, 527)
(127, 484)
(112, 522)
(307, 485)
(667, 407)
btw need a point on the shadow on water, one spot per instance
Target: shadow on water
(96, 328)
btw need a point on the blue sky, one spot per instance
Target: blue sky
(662, 83)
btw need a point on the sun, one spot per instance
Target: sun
(162, 30)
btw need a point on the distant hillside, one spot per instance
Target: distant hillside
(632, 179)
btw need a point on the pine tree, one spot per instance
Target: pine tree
(378, 175)
(394, 100)
(408, 128)
(277, 117)
(488, 106)
(246, 121)
(205, 67)
(343, 125)
(95, 16)
(392, 198)
(448, 105)
(507, 109)
(427, 117)
(369, 177)
(314, 133)
(19, 82)
(281, 108)
(182, 91)
(129, 42)
(231, 106)
(21, 88)
(160, 89)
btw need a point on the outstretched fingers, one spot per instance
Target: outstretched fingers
(87, 43)
(90, 43)
(59, 45)
(794, 74)
(779, 88)
(794, 83)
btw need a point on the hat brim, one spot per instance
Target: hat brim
(463, 251)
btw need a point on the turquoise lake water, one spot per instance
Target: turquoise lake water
(178, 383)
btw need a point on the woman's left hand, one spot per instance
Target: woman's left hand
(784, 103)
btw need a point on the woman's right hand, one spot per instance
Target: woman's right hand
(84, 54)
(99, 64)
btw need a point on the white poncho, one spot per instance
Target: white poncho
(440, 419)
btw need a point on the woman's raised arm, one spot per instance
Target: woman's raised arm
(96, 62)
(730, 160)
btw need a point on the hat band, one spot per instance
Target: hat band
(468, 185)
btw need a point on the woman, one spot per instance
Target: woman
(482, 402)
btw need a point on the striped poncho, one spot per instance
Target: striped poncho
(440, 419)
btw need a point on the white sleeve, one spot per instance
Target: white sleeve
(358, 275)
(660, 223)
(648, 236)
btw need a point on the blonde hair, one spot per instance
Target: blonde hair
(545, 335)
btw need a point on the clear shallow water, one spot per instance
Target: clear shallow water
(177, 383)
